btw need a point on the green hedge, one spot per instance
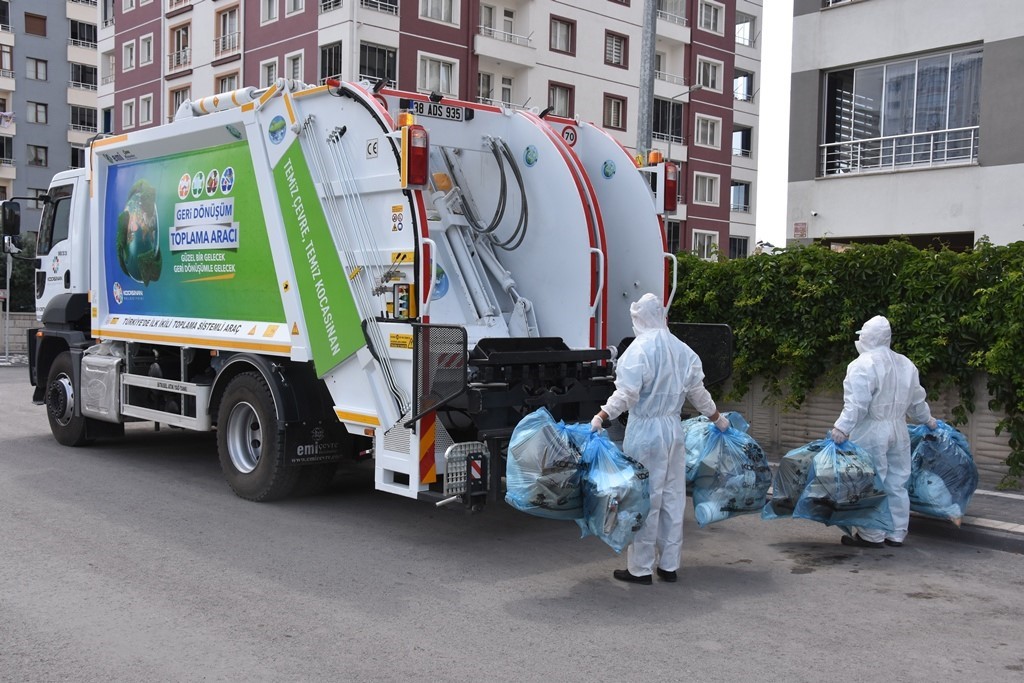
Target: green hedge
(794, 314)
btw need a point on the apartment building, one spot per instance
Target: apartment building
(905, 119)
(48, 83)
(581, 59)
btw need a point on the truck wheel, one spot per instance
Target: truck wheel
(250, 442)
(67, 428)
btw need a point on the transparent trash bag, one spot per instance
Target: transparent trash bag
(943, 475)
(730, 474)
(842, 487)
(616, 494)
(544, 471)
(696, 431)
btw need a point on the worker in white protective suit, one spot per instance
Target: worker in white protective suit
(653, 377)
(881, 390)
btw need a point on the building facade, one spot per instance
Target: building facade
(904, 119)
(48, 85)
(582, 59)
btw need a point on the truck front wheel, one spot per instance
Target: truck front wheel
(250, 441)
(67, 428)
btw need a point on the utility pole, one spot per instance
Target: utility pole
(645, 106)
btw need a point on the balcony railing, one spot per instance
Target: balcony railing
(369, 78)
(107, 80)
(82, 43)
(108, 22)
(6, 28)
(6, 161)
(6, 73)
(175, 4)
(381, 6)
(669, 78)
(952, 147)
(513, 38)
(179, 59)
(673, 18)
(740, 152)
(226, 43)
(82, 129)
(833, 3)
(740, 207)
(81, 85)
(323, 79)
(328, 5)
(499, 103)
(91, 3)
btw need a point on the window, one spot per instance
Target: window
(83, 76)
(294, 6)
(83, 119)
(36, 112)
(672, 236)
(921, 111)
(181, 50)
(330, 61)
(740, 196)
(709, 74)
(711, 17)
(487, 20)
(268, 11)
(128, 56)
(708, 131)
(667, 120)
(614, 112)
(35, 24)
(705, 189)
(738, 247)
(108, 120)
(745, 25)
(506, 90)
(178, 98)
(145, 110)
(127, 5)
(293, 66)
(560, 99)
(37, 155)
(268, 72)
(439, 10)
(227, 82)
(146, 50)
(6, 150)
(35, 69)
(6, 58)
(128, 114)
(83, 34)
(484, 87)
(437, 75)
(78, 157)
(55, 222)
(742, 142)
(743, 86)
(563, 36)
(377, 63)
(227, 31)
(616, 49)
(705, 244)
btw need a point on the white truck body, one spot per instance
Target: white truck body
(260, 266)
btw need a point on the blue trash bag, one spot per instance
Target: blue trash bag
(544, 469)
(790, 479)
(616, 493)
(843, 489)
(943, 475)
(731, 476)
(696, 430)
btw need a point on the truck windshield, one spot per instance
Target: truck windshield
(54, 223)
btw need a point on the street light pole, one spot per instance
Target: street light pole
(689, 90)
(645, 104)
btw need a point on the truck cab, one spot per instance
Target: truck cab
(62, 248)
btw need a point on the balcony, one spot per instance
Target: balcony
(227, 44)
(669, 78)
(673, 26)
(505, 47)
(7, 81)
(913, 151)
(81, 85)
(91, 3)
(8, 169)
(329, 5)
(179, 59)
(386, 6)
(177, 4)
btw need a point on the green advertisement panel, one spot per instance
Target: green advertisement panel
(330, 312)
(184, 236)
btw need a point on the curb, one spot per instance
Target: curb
(974, 531)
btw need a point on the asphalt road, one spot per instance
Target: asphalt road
(131, 560)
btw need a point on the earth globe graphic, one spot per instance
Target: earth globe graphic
(138, 235)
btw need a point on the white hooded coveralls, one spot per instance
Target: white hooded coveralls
(653, 377)
(881, 390)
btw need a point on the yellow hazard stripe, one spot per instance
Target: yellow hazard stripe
(358, 418)
(428, 461)
(310, 91)
(116, 140)
(282, 348)
(288, 106)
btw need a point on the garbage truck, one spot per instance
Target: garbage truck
(327, 272)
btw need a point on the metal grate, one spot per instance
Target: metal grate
(712, 343)
(439, 366)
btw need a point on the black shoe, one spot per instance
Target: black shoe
(624, 575)
(665, 575)
(893, 544)
(859, 542)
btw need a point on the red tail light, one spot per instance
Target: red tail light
(417, 164)
(671, 187)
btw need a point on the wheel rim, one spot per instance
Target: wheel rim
(244, 437)
(60, 398)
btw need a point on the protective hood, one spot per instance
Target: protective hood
(648, 314)
(875, 334)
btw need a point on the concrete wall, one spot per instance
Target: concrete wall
(16, 341)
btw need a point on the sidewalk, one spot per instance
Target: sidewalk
(994, 519)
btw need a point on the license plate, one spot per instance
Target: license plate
(436, 110)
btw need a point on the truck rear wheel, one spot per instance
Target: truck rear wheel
(67, 428)
(250, 441)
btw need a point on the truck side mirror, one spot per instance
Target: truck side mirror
(10, 218)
